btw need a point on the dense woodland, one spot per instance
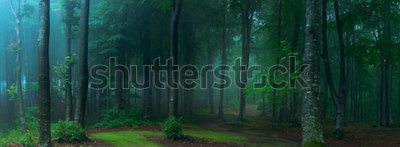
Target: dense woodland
(50, 48)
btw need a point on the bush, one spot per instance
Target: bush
(68, 131)
(114, 118)
(173, 129)
(27, 139)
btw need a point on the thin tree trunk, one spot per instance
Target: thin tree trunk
(44, 74)
(83, 66)
(311, 123)
(223, 62)
(174, 95)
(247, 18)
(295, 101)
(68, 85)
(342, 83)
(18, 18)
(336, 98)
(210, 76)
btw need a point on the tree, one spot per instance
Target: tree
(247, 18)
(69, 20)
(83, 65)
(223, 59)
(341, 106)
(337, 99)
(176, 6)
(311, 124)
(18, 15)
(44, 74)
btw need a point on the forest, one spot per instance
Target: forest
(309, 73)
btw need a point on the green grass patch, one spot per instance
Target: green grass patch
(128, 138)
(254, 133)
(191, 126)
(217, 136)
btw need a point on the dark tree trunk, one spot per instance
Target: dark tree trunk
(83, 65)
(174, 95)
(336, 98)
(68, 85)
(210, 76)
(295, 102)
(223, 61)
(44, 74)
(311, 123)
(247, 18)
(342, 84)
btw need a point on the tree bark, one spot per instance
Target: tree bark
(336, 98)
(342, 82)
(311, 124)
(295, 101)
(68, 85)
(83, 65)
(210, 76)
(18, 18)
(247, 18)
(223, 61)
(176, 6)
(44, 74)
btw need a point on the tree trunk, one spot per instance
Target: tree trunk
(68, 85)
(44, 74)
(223, 61)
(174, 95)
(311, 124)
(247, 18)
(210, 76)
(336, 98)
(342, 83)
(295, 101)
(18, 18)
(83, 65)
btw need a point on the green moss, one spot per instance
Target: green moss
(314, 144)
(128, 138)
(217, 136)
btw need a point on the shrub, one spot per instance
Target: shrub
(173, 129)
(114, 118)
(27, 139)
(68, 131)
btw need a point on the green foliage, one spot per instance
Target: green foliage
(173, 129)
(13, 47)
(61, 71)
(27, 139)
(68, 131)
(33, 87)
(114, 118)
(13, 92)
(13, 137)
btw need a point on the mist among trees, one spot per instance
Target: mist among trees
(199, 73)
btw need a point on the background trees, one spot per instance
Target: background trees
(359, 42)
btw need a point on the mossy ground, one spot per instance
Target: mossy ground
(128, 138)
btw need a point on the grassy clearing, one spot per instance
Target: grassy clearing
(128, 138)
(217, 136)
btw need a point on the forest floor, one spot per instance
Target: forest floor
(208, 130)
